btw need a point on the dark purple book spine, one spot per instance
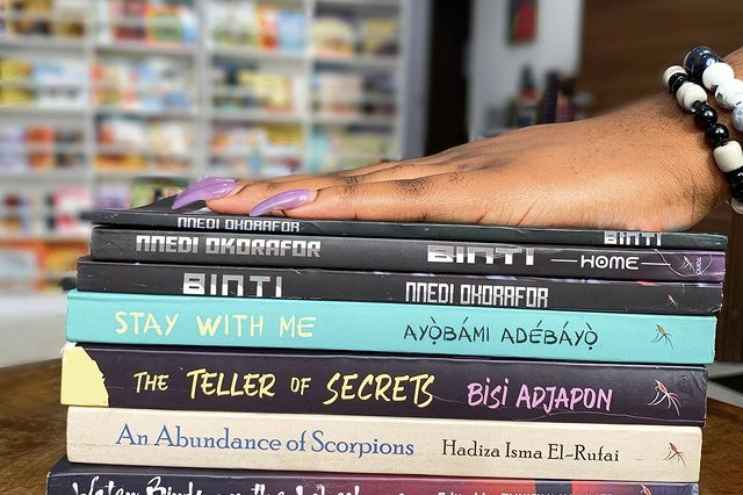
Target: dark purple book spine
(385, 385)
(405, 255)
(87, 479)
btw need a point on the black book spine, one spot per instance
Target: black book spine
(384, 385)
(405, 255)
(89, 479)
(160, 215)
(682, 298)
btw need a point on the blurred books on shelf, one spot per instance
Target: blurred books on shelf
(257, 26)
(342, 148)
(254, 150)
(135, 144)
(127, 99)
(245, 87)
(156, 83)
(142, 21)
(49, 214)
(42, 82)
(340, 32)
(40, 148)
(32, 19)
(151, 84)
(40, 236)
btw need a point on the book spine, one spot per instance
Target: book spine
(147, 480)
(196, 218)
(367, 444)
(357, 326)
(410, 288)
(406, 255)
(379, 385)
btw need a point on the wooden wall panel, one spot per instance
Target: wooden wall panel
(626, 45)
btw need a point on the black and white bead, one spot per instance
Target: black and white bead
(692, 97)
(706, 67)
(686, 92)
(698, 60)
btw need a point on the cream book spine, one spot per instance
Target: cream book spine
(363, 444)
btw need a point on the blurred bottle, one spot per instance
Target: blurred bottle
(525, 106)
(547, 112)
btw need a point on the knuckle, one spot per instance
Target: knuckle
(350, 180)
(393, 170)
(270, 187)
(455, 177)
(348, 191)
(467, 166)
(417, 186)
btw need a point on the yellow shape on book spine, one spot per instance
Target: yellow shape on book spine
(82, 380)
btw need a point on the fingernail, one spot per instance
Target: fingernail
(203, 190)
(283, 201)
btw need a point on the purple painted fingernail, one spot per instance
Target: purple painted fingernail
(283, 201)
(204, 189)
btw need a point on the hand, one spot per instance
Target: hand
(644, 167)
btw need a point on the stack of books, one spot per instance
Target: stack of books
(323, 357)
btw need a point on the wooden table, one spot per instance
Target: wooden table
(32, 434)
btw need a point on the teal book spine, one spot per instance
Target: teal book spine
(386, 327)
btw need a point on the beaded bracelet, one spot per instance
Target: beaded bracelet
(702, 65)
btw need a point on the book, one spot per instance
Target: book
(381, 385)
(492, 291)
(386, 327)
(404, 255)
(88, 479)
(160, 215)
(377, 445)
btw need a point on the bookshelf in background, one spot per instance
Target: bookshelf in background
(99, 96)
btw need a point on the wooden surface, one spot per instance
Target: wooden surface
(32, 434)
(626, 46)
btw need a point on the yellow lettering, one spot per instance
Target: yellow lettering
(383, 382)
(347, 388)
(136, 316)
(151, 382)
(208, 326)
(170, 323)
(329, 386)
(194, 376)
(366, 382)
(150, 323)
(305, 326)
(398, 389)
(123, 327)
(423, 389)
(207, 387)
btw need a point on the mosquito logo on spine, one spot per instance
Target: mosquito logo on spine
(673, 301)
(663, 395)
(674, 453)
(662, 335)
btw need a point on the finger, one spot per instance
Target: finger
(293, 177)
(258, 192)
(288, 178)
(247, 197)
(437, 159)
(441, 157)
(413, 200)
(374, 167)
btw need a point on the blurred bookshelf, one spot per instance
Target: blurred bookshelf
(102, 99)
